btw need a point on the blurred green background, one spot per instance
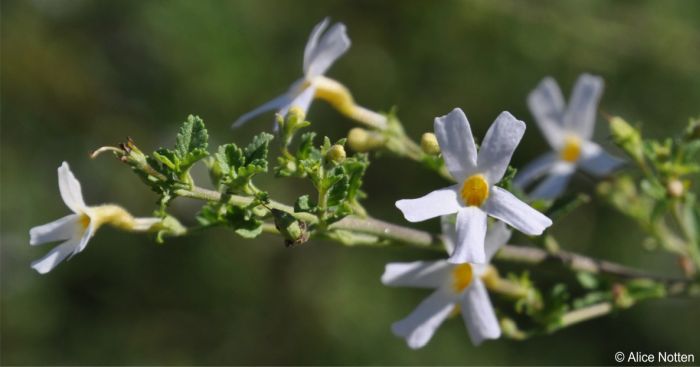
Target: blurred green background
(77, 75)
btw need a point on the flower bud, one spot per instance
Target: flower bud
(627, 137)
(675, 188)
(294, 231)
(296, 113)
(510, 328)
(361, 140)
(336, 154)
(429, 144)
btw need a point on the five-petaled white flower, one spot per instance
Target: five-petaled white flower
(76, 229)
(476, 196)
(457, 288)
(322, 49)
(569, 131)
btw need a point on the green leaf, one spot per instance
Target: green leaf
(306, 147)
(238, 166)
(167, 157)
(208, 215)
(243, 222)
(229, 157)
(256, 151)
(355, 168)
(326, 144)
(338, 192)
(249, 230)
(587, 280)
(304, 204)
(193, 138)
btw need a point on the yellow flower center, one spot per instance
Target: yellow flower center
(571, 150)
(475, 190)
(455, 311)
(461, 277)
(84, 221)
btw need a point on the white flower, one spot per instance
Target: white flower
(476, 196)
(569, 131)
(76, 229)
(457, 288)
(322, 49)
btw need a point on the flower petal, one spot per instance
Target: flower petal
(546, 103)
(420, 274)
(583, 104)
(277, 103)
(505, 206)
(70, 189)
(471, 230)
(552, 186)
(330, 46)
(497, 236)
(439, 202)
(498, 146)
(301, 101)
(89, 232)
(312, 43)
(418, 327)
(58, 230)
(449, 232)
(478, 313)
(596, 161)
(456, 143)
(534, 170)
(55, 256)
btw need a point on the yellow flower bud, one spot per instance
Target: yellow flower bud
(361, 140)
(429, 144)
(336, 154)
(296, 114)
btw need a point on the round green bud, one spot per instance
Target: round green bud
(296, 113)
(336, 154)
(429, 144)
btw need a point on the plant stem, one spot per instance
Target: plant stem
(388, 234)
(586, 313)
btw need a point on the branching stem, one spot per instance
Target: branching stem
(388, 234)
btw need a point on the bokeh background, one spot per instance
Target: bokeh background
(80, 74)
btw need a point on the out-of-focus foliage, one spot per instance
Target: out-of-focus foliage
(77, 75)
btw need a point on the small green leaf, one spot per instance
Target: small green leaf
(326, 144)
(338, 192)
(208, 215)
(355, 168)
(306, 147)
(167, 157)
(229, 156)
(304, 204)
(256, 151)
(587, 280)
(243, 222)
(193, 137)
